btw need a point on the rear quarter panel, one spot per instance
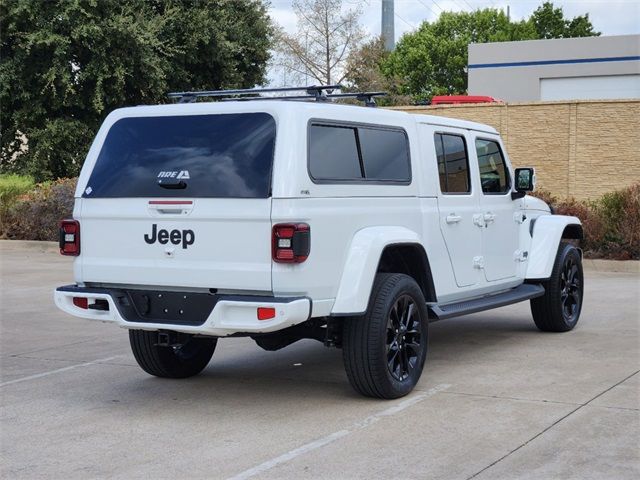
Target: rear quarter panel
(335, 212)
(334, 223)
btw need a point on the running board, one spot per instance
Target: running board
(525, 291)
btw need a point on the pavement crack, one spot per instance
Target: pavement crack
(69, 361)
(512, 398)
(55, 346)
(616, 408)
(551, 426)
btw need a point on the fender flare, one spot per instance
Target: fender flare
(548, 231)
(361, 265)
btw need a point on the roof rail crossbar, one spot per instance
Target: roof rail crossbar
(316, 91)
(367, 97)
(288, 97)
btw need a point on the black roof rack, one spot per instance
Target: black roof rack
(313, 92)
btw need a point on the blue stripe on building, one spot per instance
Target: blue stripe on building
(555, 62)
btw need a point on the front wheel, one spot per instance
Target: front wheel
(558, 310)
(384, 351)
(185, 358)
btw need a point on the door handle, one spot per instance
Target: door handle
(453, 218)
(489, 217)
(170, 207)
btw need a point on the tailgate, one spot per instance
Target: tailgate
(203, 242)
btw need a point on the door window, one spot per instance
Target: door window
(358, 153)
(494, 175)
(453, 163)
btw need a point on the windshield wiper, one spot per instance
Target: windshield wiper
(172, 183)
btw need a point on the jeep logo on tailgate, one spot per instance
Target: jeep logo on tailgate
(186, 237)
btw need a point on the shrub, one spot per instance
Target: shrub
(620, 213)
(36, 214)
(546, 196)
(11, 187)
(611, 223)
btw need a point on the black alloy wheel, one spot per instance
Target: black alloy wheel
(404, 344)
(570, 290)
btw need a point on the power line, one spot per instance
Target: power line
(460, 6)
(430, 9)
(463, 5)
(410, 25)
(465, 1)
(436, 4)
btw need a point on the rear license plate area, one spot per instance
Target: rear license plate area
(180, 308)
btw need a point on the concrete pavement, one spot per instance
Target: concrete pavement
(498, 399)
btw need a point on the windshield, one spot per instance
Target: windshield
(221, 156)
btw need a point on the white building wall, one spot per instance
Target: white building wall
(517, 71)
(585, 88)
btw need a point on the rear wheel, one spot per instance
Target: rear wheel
(185, 358)
(384, 351)
(558, 310)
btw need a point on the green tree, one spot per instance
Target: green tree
(550, 22)
(433, 59)
(65, 64)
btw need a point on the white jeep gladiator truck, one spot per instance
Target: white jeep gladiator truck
(282, 220)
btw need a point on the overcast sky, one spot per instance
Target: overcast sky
(611, 17)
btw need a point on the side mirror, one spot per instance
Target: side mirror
(525, 181)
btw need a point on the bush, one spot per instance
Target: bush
(620, 213)
(36, 214)
(11, 187)
(611, 223)
(592, 225)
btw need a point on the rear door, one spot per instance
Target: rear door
(458, 204)
(181, 200)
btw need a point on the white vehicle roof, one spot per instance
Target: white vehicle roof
(320, 110)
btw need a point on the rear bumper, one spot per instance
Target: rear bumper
(230, 315)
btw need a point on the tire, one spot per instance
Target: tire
(384, 352)
(558, 310)
(186, 360)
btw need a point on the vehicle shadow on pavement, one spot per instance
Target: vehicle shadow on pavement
(307, 369)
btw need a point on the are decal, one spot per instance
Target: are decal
(179, 174)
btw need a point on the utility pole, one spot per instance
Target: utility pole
(387, 32)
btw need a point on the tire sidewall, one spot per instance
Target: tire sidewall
(567, 251)
(405, 286)
(163, 361)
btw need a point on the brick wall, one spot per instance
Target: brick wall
(579, 148)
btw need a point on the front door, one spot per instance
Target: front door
(500, 214)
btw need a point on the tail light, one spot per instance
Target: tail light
(70, 237)
(291, 242)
